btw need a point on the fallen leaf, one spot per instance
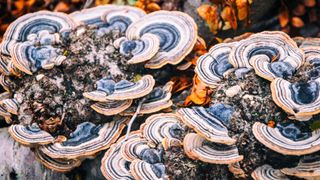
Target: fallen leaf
(210, 15)
(297, 22)
(284, 16)
(309, 3)
(229, 15)
(243, 9)
(200, 94)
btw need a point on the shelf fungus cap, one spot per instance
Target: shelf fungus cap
(87, 140)
(59, 165)
(195, 148)
(160, 126)
(11, 105)
(211, 66)
(30, 135)
(176, 31)
(308, 167)
(32, 25)
(279, 55)
(267, 172)
(157, 100)
(142, 170)
(287, 140)
(299, 99)
(110, 108)
(113, 165)
(29, 58)
(209, 122)
(108, 90)
(142, 49)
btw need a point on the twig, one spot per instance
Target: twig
(133, 118)
(87, 4)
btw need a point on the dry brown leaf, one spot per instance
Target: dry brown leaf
(210, 15)
(309, 3)
(62, 7)
(200, 94)
(297, 22)
(151, 7)
(180, 83)
(243, 9)
(283, 16)
(299, 10)
(228, 15)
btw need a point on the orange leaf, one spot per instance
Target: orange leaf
(309, 3)
(284, 16)
(297, 22)
(200, 94)
(210, 15)
(62, 7)
(299, 10)
(228, 15)
(151, 7)
(243, 9)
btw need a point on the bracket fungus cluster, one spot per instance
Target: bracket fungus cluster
(139, 155)
(266, 77)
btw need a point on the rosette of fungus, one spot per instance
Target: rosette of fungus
(267, 172)
(29, 58)
(60, 165)
(211, 67)
(87, 140)
(195, 148)
(113, 165)
(209, 122)
(163, 128)
(39, 27)
(30, 135)
(302, 100)
(287, 140)
(175, 31)
(109, 16)
(308, 168)
(270, 54)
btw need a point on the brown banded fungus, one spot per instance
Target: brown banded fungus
(209, 122)
(270, 54)
(39, 27)
(176, 31)
(142, 170)
(158, 127)
(113, 165)
(60, 165)
(30, 135)
(110, 108)
(158, 99)
(211, 67)
(287, 140)
(29, 58)
(308, 167)
(196, 148)
(266, 172)
(87, 140)
(302, 100)
(107, 89)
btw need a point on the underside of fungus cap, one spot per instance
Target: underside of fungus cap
(209, 122)
(195, 148)
(211, 66)
(157, 100)
(113, 165)
(87, 140)
(142, 170)
(142, 49)
(299, 99)
(110, 108)
(60, 165)
(287, 140)
(30, 135)
(308, 167)
(29, 58)
(160, 126)
(30, 26)
(267, 172)
(176, 31)
(276, 45)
